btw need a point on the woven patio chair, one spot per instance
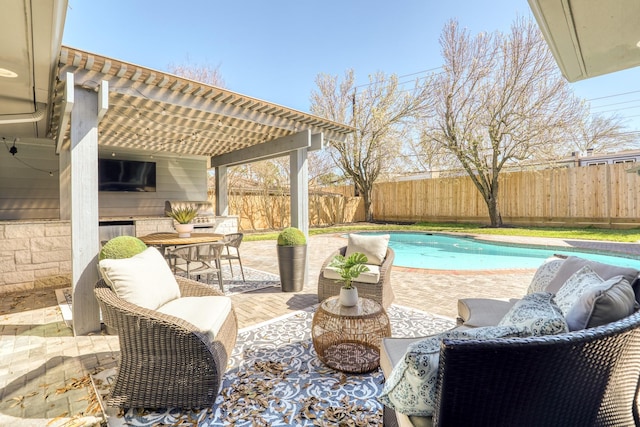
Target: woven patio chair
(164, 360)
(380, 292)
(232, 244)
(576, 379)
(198, 259)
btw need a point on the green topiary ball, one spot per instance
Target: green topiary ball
(122, 247)
(291, 236)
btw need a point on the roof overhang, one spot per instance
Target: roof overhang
(589, 38)
(31, 35)
(159, 113)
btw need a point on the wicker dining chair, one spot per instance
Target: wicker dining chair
(232, 244)
(165, 362)
(198, 259)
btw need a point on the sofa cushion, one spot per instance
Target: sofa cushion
(575, 286)
(477, 312)
(371, 276)
(539, 313)
(411, 386)
(544, 274)
(374, 247)
(604, 303)
(206, 313)
(605, 271)
(144, 279)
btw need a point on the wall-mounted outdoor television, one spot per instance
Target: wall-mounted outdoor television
(126, 175)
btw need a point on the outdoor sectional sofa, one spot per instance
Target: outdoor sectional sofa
(586, 375)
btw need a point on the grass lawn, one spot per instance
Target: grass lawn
(630, 235)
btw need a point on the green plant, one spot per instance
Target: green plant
(183, 215)
(121, 247)
(291, 236)
(349, 268)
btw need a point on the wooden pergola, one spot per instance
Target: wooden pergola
(106, 103)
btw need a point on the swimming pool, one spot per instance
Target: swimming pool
(442, 252)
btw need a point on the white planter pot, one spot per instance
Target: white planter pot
(348, 297)
(184, 230)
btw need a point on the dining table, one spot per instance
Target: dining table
(164, 240)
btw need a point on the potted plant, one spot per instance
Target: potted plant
(183, 216)
(349, 268)
(292, 259)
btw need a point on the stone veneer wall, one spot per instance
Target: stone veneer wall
(34, 254)
(37, 254)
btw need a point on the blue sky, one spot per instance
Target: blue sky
(273, 50)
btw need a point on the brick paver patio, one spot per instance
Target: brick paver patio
(44, 368)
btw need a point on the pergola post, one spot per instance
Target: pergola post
(85, 241)
(299, 183)
(222, 191)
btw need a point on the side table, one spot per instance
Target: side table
(348, 338)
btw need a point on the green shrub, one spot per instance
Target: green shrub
(291, 236)
(122, 247)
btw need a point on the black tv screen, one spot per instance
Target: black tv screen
(126, 175)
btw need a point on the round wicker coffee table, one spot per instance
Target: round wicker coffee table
(348, 338)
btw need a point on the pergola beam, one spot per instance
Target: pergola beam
(268, 150)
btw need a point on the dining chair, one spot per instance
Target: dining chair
(232, 250)
(198, 259)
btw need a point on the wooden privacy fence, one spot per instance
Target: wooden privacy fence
(602, 196)
(272, 211)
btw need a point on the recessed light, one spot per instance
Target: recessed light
(5, 72)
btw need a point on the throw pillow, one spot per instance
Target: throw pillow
(607, 302)
(575, 286)
(144, 279)
(539, 313)
(605, 271)
(374, 247)
(411, 386)
(544, 274)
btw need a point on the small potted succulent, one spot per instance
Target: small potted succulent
(183, 217)
(349, 268)
(292, 259)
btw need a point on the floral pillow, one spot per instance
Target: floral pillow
(544, 274)
(575, 286)
(411, 387)
(537, 312)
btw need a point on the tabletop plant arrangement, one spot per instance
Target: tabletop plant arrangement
(349, 268)
(292, 259)
(183, 217)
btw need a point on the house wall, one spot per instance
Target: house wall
(28, 191)
(176, 179)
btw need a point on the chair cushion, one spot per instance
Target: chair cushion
(604, 303)
(374, 247)
(605, 271)
(144, 279)
(477, 312)
(371, 276)
(411, 386)
(537, 312)
(206, 313)
(544, 274)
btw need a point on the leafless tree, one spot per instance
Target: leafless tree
(602, 134)
(500, 99)
(379, 112)
(203, 73)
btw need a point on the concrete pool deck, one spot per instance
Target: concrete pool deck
(44, 368)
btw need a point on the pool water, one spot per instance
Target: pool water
(441, 252)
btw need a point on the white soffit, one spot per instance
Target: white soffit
(589, 38)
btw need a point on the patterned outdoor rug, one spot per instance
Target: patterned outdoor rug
(276, 379)
(233, 284)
